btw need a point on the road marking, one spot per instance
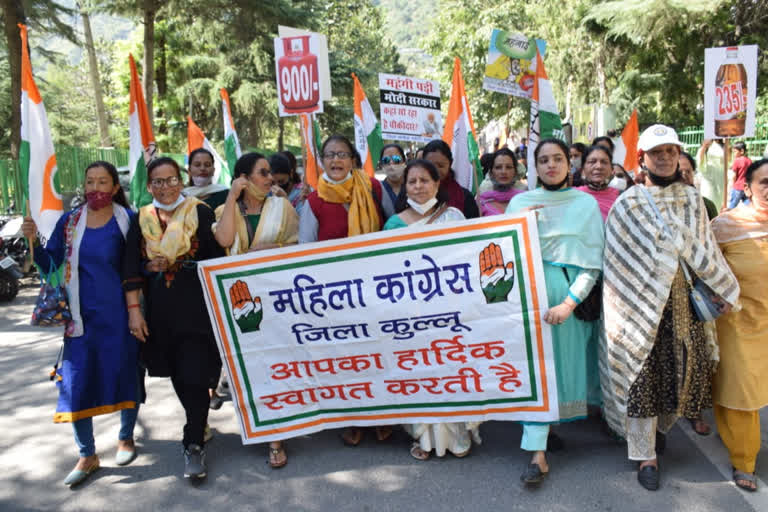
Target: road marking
(714, 450)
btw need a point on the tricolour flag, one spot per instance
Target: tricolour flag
(142, 142)
(459, 133)
(367, 130)
(309, 149)
(545, 117)
(196, 139)
(232, 149)
(626, 147)
(36, 155)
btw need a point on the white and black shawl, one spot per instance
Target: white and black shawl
(640, 262)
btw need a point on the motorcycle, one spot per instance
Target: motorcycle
(14, 244)
(10, 273)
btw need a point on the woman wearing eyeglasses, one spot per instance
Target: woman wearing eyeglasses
(165, 242)
(392, 162)
(346, 202)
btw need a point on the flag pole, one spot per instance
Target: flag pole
(30, 241)
(726, 154)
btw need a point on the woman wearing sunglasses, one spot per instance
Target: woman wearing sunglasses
(392, 162)
(165, 242)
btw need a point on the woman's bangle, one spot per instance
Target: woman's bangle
(130, 306)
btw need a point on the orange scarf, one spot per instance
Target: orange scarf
(363, 215)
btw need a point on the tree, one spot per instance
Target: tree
(44, 17)
(93, 71)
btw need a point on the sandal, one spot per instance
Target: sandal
(700, 426)
(417, 453)
(274, 458)
(383, 433)
(740, 476)
(533, 475)
(352, 436)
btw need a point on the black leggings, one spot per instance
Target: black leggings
(189, 377)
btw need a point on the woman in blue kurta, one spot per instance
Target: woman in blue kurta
(98, 374)
(571, 238)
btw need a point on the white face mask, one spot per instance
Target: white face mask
(395, 171)
(618, 183)
(422, 208)
(576, 163)
(202, 181)
(168, 207)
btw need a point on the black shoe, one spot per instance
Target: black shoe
(649, 477)
(533, 475)
(194, 462)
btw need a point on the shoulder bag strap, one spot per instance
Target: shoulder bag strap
(655, 209)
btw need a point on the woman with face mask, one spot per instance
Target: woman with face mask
(165, 242)
(419, 204)
(502, 175)
(621, 180)
(571, 239)
(99, 370)
(251, 219)
(346, 202)
(597, 173)
(392, 162)
(738, 388)
(421, 201)
(201, 186)
(656, 356)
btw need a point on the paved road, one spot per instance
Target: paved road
(591, 474)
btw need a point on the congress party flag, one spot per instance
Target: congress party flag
(196, 139)
(36, 155)
(626, 147)
(545, 117)
(460, 134)
(367, 130)
(309, 149)
(142, 147)
(232, 149)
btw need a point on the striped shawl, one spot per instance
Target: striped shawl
(640, 262)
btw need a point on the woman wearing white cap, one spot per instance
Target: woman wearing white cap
(656, 358)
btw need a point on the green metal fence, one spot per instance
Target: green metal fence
(757, 146)
(71, 161)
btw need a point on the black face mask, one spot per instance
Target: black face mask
(557, 186)
(664, 181)
(597, 187)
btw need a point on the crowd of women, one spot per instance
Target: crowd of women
(620, 262)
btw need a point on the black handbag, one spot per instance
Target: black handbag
(589, 309)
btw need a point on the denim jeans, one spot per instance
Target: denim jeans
(84, 431)
(737, 196)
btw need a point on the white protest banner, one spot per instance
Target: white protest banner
(730, 91)
(409, 108)
(297, 68)
(510, 66)
(439, 324)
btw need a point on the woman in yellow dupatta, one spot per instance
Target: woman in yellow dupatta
(738, 389)
(172, 234)
(346, 202)
(249, 220)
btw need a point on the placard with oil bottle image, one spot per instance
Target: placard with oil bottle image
(730, 91)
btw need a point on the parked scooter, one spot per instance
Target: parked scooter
(10, 273)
